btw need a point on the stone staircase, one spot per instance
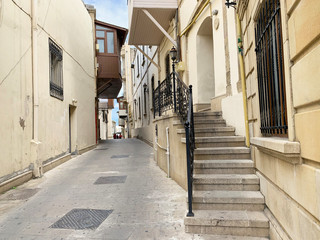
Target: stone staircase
(227, 203)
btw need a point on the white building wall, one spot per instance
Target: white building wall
(71, 31)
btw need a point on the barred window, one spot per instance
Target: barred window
(270, 70)
(55, 61)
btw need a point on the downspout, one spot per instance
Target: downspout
(37, 168)
(168, 151)
(243, 80)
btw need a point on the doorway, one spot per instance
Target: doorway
(205, 63)
(72, 130)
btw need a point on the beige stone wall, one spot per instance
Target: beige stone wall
(292, 191)
(177, 162)
(72, 31)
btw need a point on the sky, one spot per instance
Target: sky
(114, 12)
(111, 11)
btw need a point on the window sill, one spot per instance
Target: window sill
(279, 148)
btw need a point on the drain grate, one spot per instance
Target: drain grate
(101, 149)
(82, 219)
(22, 194)
(120, 156)
(111, 180)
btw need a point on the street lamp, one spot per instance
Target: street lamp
(173, 54)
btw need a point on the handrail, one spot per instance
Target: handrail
(173, 93)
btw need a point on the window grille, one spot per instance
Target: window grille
(270, 70)
(55, 61)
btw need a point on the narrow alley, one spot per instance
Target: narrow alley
(129, 197)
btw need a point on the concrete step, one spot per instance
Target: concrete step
(225, 179)
(228, 200)
(235, 223)
(230, 182)
(205, 110)
(211, 132)
(237, 166)
(222, 153)
(209, 123)
(229, 237)
(201, 114)
(219, 141)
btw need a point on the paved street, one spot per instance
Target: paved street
(129, 197)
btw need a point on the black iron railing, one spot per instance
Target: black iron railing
(172, 93)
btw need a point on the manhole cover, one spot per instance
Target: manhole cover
(120, 156)
(101, 149)
(21, 194)
(111, 180)
(82, 219)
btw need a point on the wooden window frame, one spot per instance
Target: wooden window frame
(115, 44)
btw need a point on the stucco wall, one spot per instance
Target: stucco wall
(72, 32)
(15, 87)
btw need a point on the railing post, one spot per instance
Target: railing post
(190, 213)
(153, 105)
(174, 87)
(159, 97)
(192, 120)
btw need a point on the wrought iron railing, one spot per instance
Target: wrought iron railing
(172, 93)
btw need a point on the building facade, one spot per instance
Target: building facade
(47, 86)
(141, 76)
(256, 65)
(281, 71)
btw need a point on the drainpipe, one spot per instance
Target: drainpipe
(168, 151)
(37, 168)
(243, 81)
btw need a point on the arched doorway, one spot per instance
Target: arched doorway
(205, 71)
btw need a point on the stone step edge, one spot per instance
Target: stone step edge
(223, 164)
(225, 218)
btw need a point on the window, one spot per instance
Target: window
(139, 106)
(106, 39)
(55, 75)
(145, 102)
(270, 70)
(138, 66)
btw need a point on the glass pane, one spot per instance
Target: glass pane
(101, 45)
(103, 28)
(110, 42)
(100, 34)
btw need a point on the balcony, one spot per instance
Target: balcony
(142, 30)
(122, 113)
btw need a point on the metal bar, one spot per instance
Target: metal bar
(160, 27)
(149, 58)
(159, 97)
(174, 88)
(190, 213)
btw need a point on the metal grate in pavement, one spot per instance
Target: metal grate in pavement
(119, 156)
(111, 180)
(101, 149)
(21, 194)
(82, 219)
